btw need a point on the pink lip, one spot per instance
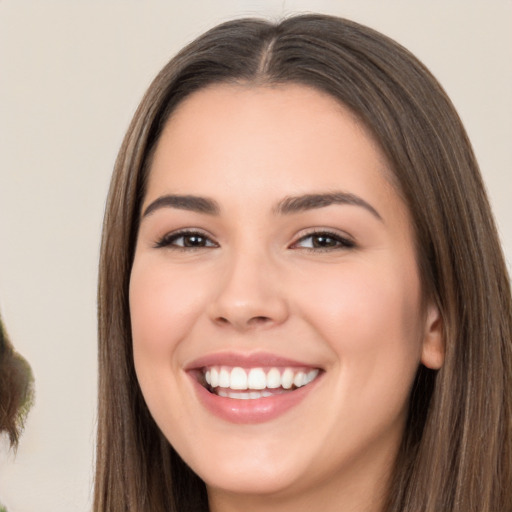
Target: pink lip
(257, 360)
(257, 410)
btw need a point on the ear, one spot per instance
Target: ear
(432, 354)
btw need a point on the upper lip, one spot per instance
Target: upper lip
(255, 360)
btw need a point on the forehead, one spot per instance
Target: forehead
(231, 130)
(253, 106)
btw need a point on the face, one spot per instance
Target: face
(275, 300)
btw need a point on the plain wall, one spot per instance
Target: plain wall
(71, 75)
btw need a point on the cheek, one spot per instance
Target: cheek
(371, 319)
(163, 306)
(369, 314)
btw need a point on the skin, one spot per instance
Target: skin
(257, 285)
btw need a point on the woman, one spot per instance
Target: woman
(302, 295)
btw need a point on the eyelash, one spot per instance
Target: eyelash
(170, 239)
(338, 242)
(333, 241)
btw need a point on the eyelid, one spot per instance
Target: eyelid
(345, 240)
(166, 241)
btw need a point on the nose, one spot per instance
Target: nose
(249, 295)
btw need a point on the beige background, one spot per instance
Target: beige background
(71, 75)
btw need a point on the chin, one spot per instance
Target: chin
(256, 469)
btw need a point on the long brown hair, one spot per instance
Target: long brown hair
(16, 389)
(456, 453)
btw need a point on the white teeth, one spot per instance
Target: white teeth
(287, 378)
(257, 380)
(299, 379)
(311, 376)
(224, 378)
(238, 378)
(214, 378)
(244, 396)
(274, 379)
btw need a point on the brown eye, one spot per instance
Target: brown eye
(186, 240)
(323, 241)
(194, 241)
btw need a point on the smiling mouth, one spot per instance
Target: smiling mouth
(253, 383)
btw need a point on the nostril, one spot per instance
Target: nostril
(253, 321)
(259, 320)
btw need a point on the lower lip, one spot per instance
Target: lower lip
(256, 410)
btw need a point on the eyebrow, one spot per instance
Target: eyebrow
(188, 202)
(305, 202)
(288, 205)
